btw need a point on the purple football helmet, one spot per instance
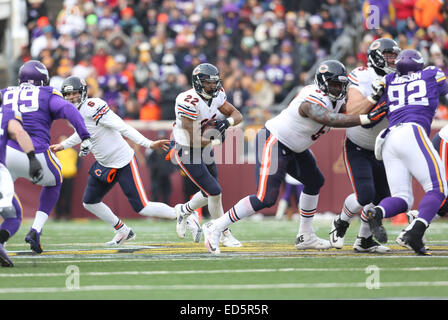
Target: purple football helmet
(409, 61)
(34, 72)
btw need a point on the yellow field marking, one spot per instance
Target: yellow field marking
(247, 248)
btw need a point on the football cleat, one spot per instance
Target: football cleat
(181, 221)
(311, 241)
(211, 238)
(121, 237)
(375, 220)
(228, 240)
(194, 227)
(33, 238)
(412, 239)
(4, 259)
(411, 215)
(337, 234)
(369, 245)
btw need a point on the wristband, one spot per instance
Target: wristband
(231, 121)
(364, 119)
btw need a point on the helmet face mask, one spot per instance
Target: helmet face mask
(34, 72)
(381, 55)
(74, 85)
(331, 78)
(206, 81)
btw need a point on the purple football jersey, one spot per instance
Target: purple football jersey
(5, 116)
(39, 107)
(415, 97)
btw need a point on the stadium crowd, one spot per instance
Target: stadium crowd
(139, 54)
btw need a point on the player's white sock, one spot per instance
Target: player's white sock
(364, 230)
(307, 206)
(215, 206)
(39, 221)
(158, 210)
(103, 212)
(351, 208)
(197, 201)
(239, 211)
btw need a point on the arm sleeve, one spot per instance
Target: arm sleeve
(111, 120)
(71, 141)
(62, 109)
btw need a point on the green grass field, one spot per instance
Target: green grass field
(159, 266)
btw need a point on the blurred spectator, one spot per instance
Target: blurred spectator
(426, 12)
(45, 41)
(404, 10)
(238, 96)
(132, 111)
(262, 91)
(169, 89)
(100, 57)
(36, 9)
(168, 66)
(127, 20)
(160, 171)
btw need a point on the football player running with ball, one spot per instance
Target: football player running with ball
(367, 174)
(115, 160)
(196, 109)
(283, 147)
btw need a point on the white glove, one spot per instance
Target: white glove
(86, 147)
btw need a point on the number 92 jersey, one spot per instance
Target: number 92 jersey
(296, 132)
(189, 104)
(415, 97)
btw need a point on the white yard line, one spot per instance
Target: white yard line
(200, 272)
(224, 287)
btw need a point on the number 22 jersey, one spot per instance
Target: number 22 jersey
(296, 132)
(190, 105)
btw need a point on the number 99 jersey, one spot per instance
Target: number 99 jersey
(39, 106)
(415, 97)
(189, 104)
(296, 132)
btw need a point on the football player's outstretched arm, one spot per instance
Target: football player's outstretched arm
(331, 119)
(113, 121)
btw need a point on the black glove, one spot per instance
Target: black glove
(221, 126)
(36, 172)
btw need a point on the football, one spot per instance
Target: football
(211, 124)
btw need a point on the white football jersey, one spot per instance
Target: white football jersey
(189, 104)
(361, 79)
(106, 129)
(296, 132)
